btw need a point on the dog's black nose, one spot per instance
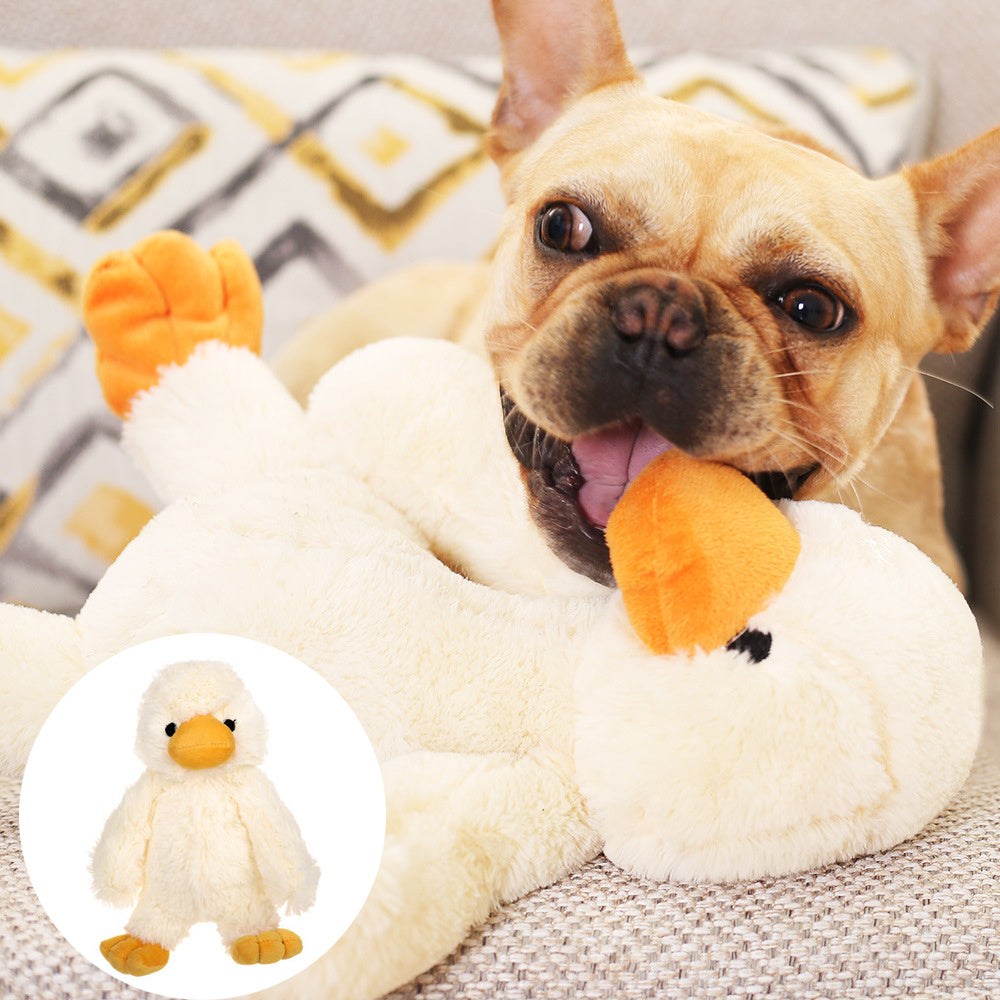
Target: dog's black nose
(671, 314)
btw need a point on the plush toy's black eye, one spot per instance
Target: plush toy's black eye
(564, 227)
(813, 307)
(170, 729)
(757, 645)
(231, 723)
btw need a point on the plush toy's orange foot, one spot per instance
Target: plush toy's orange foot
(697, 549)
(266, 947)
(133, 956)
(152, 305)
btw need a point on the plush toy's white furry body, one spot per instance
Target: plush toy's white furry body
(201, 840)
(208, 872)
(522, 725)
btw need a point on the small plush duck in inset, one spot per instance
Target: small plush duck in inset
(202, 835)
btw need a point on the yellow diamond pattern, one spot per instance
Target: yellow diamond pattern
(385, 146)
(12, 332)
(107, 520)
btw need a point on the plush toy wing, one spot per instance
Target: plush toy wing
(288, 871)
(117, 864)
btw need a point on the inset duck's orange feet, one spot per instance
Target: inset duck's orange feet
(133, 956)
(152, 305)
(266, 947)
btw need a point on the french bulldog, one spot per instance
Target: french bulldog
(666, 278)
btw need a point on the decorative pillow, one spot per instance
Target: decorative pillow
(330, 168)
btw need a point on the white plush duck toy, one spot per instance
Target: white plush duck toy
(202, 835)
(770, 689)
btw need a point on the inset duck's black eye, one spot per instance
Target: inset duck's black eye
(757, 645)
(170, 729)
(231, 723)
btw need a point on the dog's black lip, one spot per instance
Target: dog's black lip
(551, 466)
(550, 460)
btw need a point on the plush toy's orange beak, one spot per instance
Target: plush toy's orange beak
(697, 549)
(201, 742)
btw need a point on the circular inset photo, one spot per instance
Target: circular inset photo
(202, 816)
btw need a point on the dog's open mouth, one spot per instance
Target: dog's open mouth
(574, 486)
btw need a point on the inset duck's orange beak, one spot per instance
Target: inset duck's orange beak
(697, 550)
(201, 742)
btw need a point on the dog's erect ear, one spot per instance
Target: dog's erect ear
(554, 51)
(958, 197)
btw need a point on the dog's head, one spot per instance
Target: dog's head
(668, 278)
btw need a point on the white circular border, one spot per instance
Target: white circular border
(318, 757)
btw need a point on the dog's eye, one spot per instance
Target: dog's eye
(813, 307)
(564, 227)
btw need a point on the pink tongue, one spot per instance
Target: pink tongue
(609, 460)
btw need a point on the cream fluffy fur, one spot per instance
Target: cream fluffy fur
(215, 844)
(521, 725)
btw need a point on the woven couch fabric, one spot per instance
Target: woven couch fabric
(330, 168)
(920, 921)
